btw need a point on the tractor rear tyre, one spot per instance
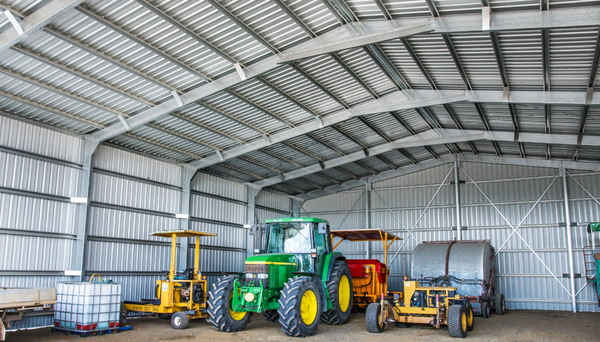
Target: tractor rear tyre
(300, 305)
(500, 309)
(457, 321)
(180, 320)
(470, 316)
(339, 287)
(219, 307)
(373, 314)
(271, 315)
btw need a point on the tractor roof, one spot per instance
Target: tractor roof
(296, 219)
(363, 234)
(183, 233)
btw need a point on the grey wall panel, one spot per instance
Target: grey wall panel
(218, 186)
(112, 256)
(273, 200)
(136, 287)
(36, 214)
(30, 280)
(31, 253)
(221, 261)
(115, 223)
(25, 173)
(217, 209)
(130, 193)
(227, 236)
(35, 139)
(117, 160)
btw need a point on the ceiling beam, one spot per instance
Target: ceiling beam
(432, 137)
(36, 21)
(401, 101)
(363, 33)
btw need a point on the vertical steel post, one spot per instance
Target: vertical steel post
(84, 184)
(296, 207)
(457, 201)
(251, 193)
(563, 173)
(368, 189)
(183, 255)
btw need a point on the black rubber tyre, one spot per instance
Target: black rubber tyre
(180, 320)
(372, 318)
(271, 315)
(290, 305)
(456, 315)
(337, 315)
(500, 308)
(486, 310)
(470, 316)
(219, 301)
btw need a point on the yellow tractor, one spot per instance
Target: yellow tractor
(178, 297)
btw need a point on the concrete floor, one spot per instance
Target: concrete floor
(514, 326)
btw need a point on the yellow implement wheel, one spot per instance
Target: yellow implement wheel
(308, 307)
(463, 321)
(457, 320)
(344, 293)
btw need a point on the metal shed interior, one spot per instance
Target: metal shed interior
(436, 119)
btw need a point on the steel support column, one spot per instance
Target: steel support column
(457, 201)
(367, 197)
(183, 260)
(296, 207)
(251, 193)
(82, 200)
(563, 173)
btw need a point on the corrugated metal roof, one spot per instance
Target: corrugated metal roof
(109, 58)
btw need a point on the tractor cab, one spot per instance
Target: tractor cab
(306, 239)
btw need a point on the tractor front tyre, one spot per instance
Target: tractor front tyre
(457, 321)
(300, 304)
(219, 307)
(470, 316)
(180, 320)
(500, 308)
(271, 315)
(339, 287)
(373, 318)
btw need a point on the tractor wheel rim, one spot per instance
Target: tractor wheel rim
(308, 307)
(238, 316)
(463, 321)
(470, 317)
(344, 293)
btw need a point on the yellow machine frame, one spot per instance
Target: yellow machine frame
(168, 291)
(370, 289)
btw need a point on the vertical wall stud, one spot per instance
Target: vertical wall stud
(457, 201)
(79, 252)
(563, 173)
(252, 192)
(296, 207)
(367, 197)
(183, 259)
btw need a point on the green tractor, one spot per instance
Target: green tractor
(295, 279)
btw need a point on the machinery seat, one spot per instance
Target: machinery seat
(357, 269)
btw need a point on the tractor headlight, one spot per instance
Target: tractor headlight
(249, 297)
(257, 275)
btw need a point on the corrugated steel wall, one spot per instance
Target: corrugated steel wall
(397, 204)
(131, 197)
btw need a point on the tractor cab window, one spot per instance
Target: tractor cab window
(292, 238)
(289, 237)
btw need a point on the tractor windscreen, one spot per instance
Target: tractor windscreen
(289, 237)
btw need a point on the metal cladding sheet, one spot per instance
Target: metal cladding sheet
(469, 261)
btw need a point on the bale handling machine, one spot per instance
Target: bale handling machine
(180, 297)
(436, 306)
(296, 279)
